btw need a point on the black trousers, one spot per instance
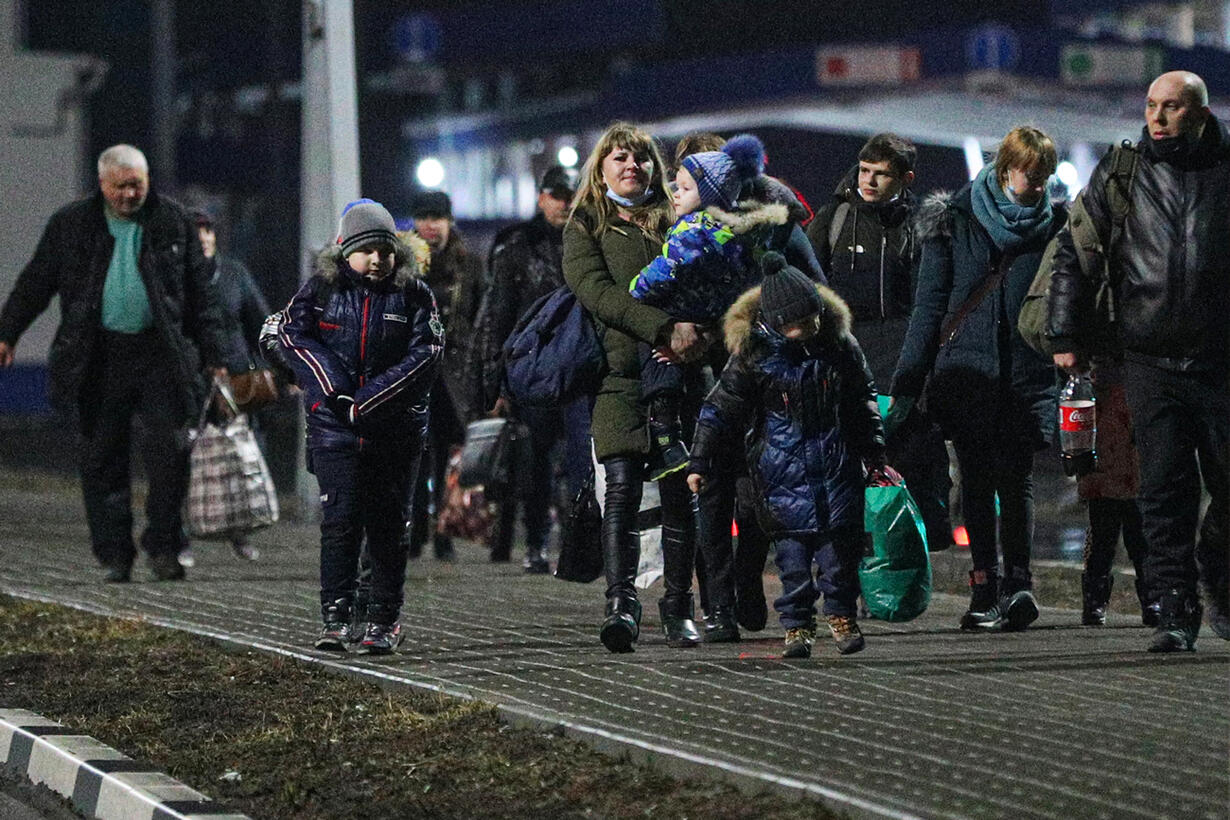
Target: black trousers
(133, 385)
(363, 494)
(724, 570)
(1002, 467)
(1182, 427)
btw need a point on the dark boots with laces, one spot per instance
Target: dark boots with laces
(1179, 622)
(1095, 598)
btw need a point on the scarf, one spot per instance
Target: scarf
(1009, 223)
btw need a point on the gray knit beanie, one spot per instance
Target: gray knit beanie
(364, 222)
(786, 294)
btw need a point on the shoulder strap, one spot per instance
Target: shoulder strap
(1124, 161)
(837, 223)
(989, 283)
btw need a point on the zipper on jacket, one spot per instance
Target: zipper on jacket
(883, 248)
(367, 301)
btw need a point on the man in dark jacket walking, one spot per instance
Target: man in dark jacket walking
(455, 276)
(137, 319)
(1170, 272)
(865, 240)
(527, 263)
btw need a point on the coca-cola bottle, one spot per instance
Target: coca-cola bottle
(1078, 428)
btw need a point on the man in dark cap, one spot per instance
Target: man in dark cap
(455, 276)
(526, 263)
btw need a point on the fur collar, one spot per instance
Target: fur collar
(751, 215)
(742, 324)
(330, 258)
(933, 219)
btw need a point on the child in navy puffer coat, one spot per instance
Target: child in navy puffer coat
(710, 257)
(364, 338)
(797, 385)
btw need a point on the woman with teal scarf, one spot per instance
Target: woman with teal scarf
(993, 396)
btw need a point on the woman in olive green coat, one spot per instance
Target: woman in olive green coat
(620, 214)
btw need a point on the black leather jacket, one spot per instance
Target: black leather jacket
(1172, 265)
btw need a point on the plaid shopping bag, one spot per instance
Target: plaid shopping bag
(230, 491)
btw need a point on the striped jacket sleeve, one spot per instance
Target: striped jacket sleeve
(317, 369)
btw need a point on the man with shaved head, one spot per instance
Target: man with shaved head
(137, 323)
(1170, 274)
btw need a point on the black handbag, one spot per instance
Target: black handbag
(580, 543)
(488, 454)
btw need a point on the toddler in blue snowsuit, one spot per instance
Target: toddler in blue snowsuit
(364, 338)
(797, 389)
(706, 262)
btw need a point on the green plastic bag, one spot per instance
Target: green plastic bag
(896, 576)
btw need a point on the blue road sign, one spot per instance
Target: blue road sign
(992, 47)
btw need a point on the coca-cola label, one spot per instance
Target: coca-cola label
(1077, 416)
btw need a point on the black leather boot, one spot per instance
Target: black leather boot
(983, 612)
(1095, 596)
(721, 626)
(678, 563)
(621, 549)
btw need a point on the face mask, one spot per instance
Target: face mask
(629, 202)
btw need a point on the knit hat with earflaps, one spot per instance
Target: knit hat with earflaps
(786, 294)
(721, 175)
(364, 222)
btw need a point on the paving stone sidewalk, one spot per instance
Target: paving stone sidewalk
(1059, 721)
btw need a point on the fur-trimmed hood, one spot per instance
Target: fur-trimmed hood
(330, 259)
(742, 324)
(765, 202)
(933, 219)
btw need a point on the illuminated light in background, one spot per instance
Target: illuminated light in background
(960, 537)
(567, 156)
(973, 156)
(430, 173)
(1069, 176)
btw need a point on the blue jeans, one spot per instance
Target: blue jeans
(363, 493)
(837, 560)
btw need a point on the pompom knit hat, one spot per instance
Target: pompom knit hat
(720, 175)
(365, 221)
(786, 294)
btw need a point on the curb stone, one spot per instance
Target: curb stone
(98, 780)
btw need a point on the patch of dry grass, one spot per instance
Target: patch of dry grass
(277, 738)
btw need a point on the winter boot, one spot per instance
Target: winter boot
(166, 566)
(667, 452)
(983, 612)
(1017, 606)
(1095, 596)
(381, 639)
(1150, 611)
(443, 546)
(335, 633)
(846, 634)
(1180, 623)
(536, 562)
(1217, 604)
(799, 641)
(622, 625)
(721, 626)
(677, 622)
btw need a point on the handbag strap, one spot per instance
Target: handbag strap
(218, 388)
(989, 283)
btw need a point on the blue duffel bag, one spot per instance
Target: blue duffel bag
(554, 354)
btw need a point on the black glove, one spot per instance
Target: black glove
(344, 408)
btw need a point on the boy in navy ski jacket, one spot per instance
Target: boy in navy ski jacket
(798, 387)
(364, 338)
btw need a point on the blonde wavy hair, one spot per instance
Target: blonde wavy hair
(656, 214)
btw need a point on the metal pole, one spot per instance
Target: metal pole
(329, 174)
(162, 47)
